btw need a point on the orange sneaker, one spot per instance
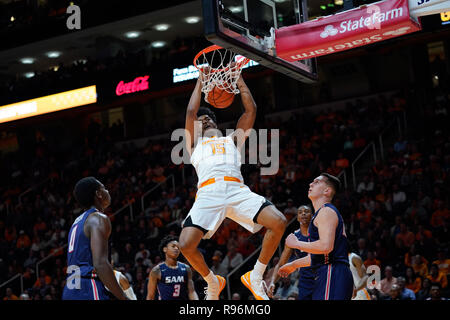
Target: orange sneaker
(213, 292)
(255, 286)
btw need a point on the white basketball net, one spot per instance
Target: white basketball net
(220, 68)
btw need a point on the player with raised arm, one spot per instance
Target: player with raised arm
(328, 246)
(222, 193)
(89, 270)
(306, 279)
(171, 279)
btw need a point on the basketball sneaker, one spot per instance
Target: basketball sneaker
(255, 285)
(213, 291)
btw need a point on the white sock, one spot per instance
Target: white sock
(210, 278)
(259, 269)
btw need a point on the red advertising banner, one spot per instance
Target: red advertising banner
(138, 84)
(346, 30)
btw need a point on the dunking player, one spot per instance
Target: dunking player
(359, 277)
(328, 246)
(222, 193)
(306, 279)
(172, 279)
(89, 270)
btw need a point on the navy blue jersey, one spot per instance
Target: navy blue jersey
(174, 282)
(82, 281)
(306, 274)
(340, 249)
(306, 271)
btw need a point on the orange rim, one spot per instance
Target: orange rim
(215, 47)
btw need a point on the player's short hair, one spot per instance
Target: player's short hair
(164, 242)
(204, 110)
(332, 181)
(306, 206)
(84, 191)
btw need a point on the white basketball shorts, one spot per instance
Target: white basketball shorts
(224, 199)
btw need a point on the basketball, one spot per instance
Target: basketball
(220, 98)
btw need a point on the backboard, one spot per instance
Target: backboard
(247, 28)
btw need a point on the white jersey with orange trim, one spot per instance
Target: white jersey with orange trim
(216, 157)
(221, 190)
(362, 294)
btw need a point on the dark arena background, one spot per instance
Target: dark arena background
(377, 118)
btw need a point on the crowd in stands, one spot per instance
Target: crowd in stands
(397, 218)
(403, 216)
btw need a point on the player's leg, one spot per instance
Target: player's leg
(202, 221)
(254, 212)
(189, 240)
(305, 288)
(341, 283)
(335, 282)
(322, 282)
(275, 223)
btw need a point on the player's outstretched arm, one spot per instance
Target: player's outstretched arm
(191, 114)
(327, 222)
(247, 119)
(154, 277)
(290, 267)
(284, 258)
(98, 229)
(191, 288)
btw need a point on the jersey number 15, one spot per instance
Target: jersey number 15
(217, 148)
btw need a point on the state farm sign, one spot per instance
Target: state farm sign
(346, 30)
(138, 84)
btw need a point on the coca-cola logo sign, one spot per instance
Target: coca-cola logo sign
(138, 84)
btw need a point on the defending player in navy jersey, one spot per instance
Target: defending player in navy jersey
(306, 279)
(328, 246)
(171, 280)
(89, 270)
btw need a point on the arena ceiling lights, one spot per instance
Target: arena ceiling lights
(192, 20)
(53, 54)
(162, 27)
(29, 75)
(133, 34)
(27, 60)
(158, 44)
(236, 9)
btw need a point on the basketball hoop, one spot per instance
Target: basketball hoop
(220, 69)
